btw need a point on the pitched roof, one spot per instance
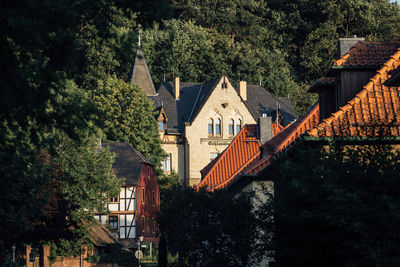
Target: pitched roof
(260, 101)
(140, 75)
(367, 54)
(128, 162)
(284, 139)
(375, 110)
(178, 111)
(261, 157)
(101, 236)
(243, 148)
(320, 83)
(193, 96)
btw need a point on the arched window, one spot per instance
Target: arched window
(238, 125)
(218, 127)
(210, 127)
(231, 127)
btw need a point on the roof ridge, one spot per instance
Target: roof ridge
(359, 96)
(143, 158)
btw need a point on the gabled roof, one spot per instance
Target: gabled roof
(243, 149)
(367, 54)
(373, 111)
(284, 139)
(177, 111)
(193, 96)
(128, 162)
(140, 75)
(238, 159)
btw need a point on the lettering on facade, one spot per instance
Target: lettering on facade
(218, 143)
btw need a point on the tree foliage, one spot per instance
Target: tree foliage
(208, 228)
(128, 116)
(338, 206)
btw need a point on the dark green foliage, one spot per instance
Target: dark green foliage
(128, 116)
(114, 254)
(339, 207)
(210, 229)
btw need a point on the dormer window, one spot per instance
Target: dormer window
(161, 126)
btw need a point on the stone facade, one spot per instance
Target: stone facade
(224, 104)
(197, 121)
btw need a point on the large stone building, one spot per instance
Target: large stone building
(197, 121)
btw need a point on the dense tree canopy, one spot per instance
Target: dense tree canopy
(338, 206)
(127, 114)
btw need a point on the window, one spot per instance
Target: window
(231, 127)
(143, 223)
(213, 155)
(210, 127)
(218, 127)
(143, 196)
(161, 126)
(148, 171)
(153, 197)
(113, 222)
(114, 199)
(238, 125)
(166, 164)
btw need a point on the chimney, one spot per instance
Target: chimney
(344, 44)
(265, 128)
(176, 87)
(243, 90)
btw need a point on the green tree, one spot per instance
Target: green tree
(338, 206)
(54, 51)
(208, 228)
(80, 184)
(128, 116)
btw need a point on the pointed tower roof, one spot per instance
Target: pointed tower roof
(140, 75)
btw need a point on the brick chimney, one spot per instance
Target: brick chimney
(176, 87)
(243, 90)
(344, 44)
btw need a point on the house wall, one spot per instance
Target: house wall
(199, 143)
(351, 82)
(173, 146)
(144, 203)
(125, 210)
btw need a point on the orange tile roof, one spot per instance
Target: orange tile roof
(243, 149)
(368, 54)
(284, 139)
(374, 111)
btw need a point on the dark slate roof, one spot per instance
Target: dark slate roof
(260, 101)
(140, 75)
(128, 162)
(194, 95)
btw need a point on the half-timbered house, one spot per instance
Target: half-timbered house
(133, 212)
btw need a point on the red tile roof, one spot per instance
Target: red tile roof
(373, 111)
(284, 139)
(243, 149)
(368, 54)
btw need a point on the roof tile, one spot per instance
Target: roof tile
(373, 111)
